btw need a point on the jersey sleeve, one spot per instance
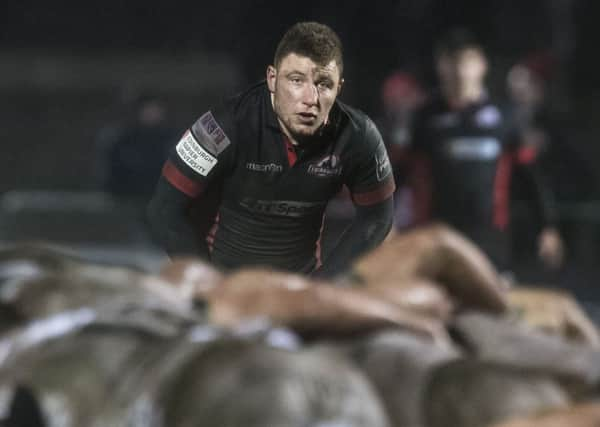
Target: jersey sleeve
(524, 144)
(369, 178)
(203, 153)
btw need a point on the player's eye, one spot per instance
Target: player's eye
(325, 84)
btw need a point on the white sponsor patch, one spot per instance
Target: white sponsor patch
(194, 155)
(474, 148)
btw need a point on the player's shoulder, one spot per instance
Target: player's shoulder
(247, 100)
(221, 121)
(234, 107)
(352, 116)
(357, 122)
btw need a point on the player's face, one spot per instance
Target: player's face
(523, 87)
(303, 93)
(465, 68)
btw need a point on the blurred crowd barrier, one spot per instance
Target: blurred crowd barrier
(55, 103)
(93, 225)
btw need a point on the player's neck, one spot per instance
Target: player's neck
(287, 133)
(282, 125)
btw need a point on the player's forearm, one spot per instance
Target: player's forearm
(167, 218)
(369, 228)
(543, 196)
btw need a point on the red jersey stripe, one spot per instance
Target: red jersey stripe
(210, 237)
(501, 191)
(291, 152)
(526, 155)
(319, 245)
(180, 181)
(421, 184)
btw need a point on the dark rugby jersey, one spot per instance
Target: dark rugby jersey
(464, 160)
(273, 195)
(461, 166)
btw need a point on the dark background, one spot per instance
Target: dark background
(67, 69)
(64, 65)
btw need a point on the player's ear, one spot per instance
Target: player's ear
(271, 78)
(340, 85)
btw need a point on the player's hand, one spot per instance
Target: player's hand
(550, 248)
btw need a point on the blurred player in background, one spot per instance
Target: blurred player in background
(462, 153)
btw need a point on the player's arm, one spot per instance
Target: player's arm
(370, 226)
(550, 246)
(194, 165)
(168, 220)
(371, 184)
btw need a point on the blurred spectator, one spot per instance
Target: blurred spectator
(549, 131)
(462, 152)
(132, 154)
(526, 84)
(401, 95)
(529, 83)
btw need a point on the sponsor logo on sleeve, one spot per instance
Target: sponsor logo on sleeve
(210, 135)
(194, 155)
(382, 164)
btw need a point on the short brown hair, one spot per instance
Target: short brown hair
(457, 40)
(313, 40)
